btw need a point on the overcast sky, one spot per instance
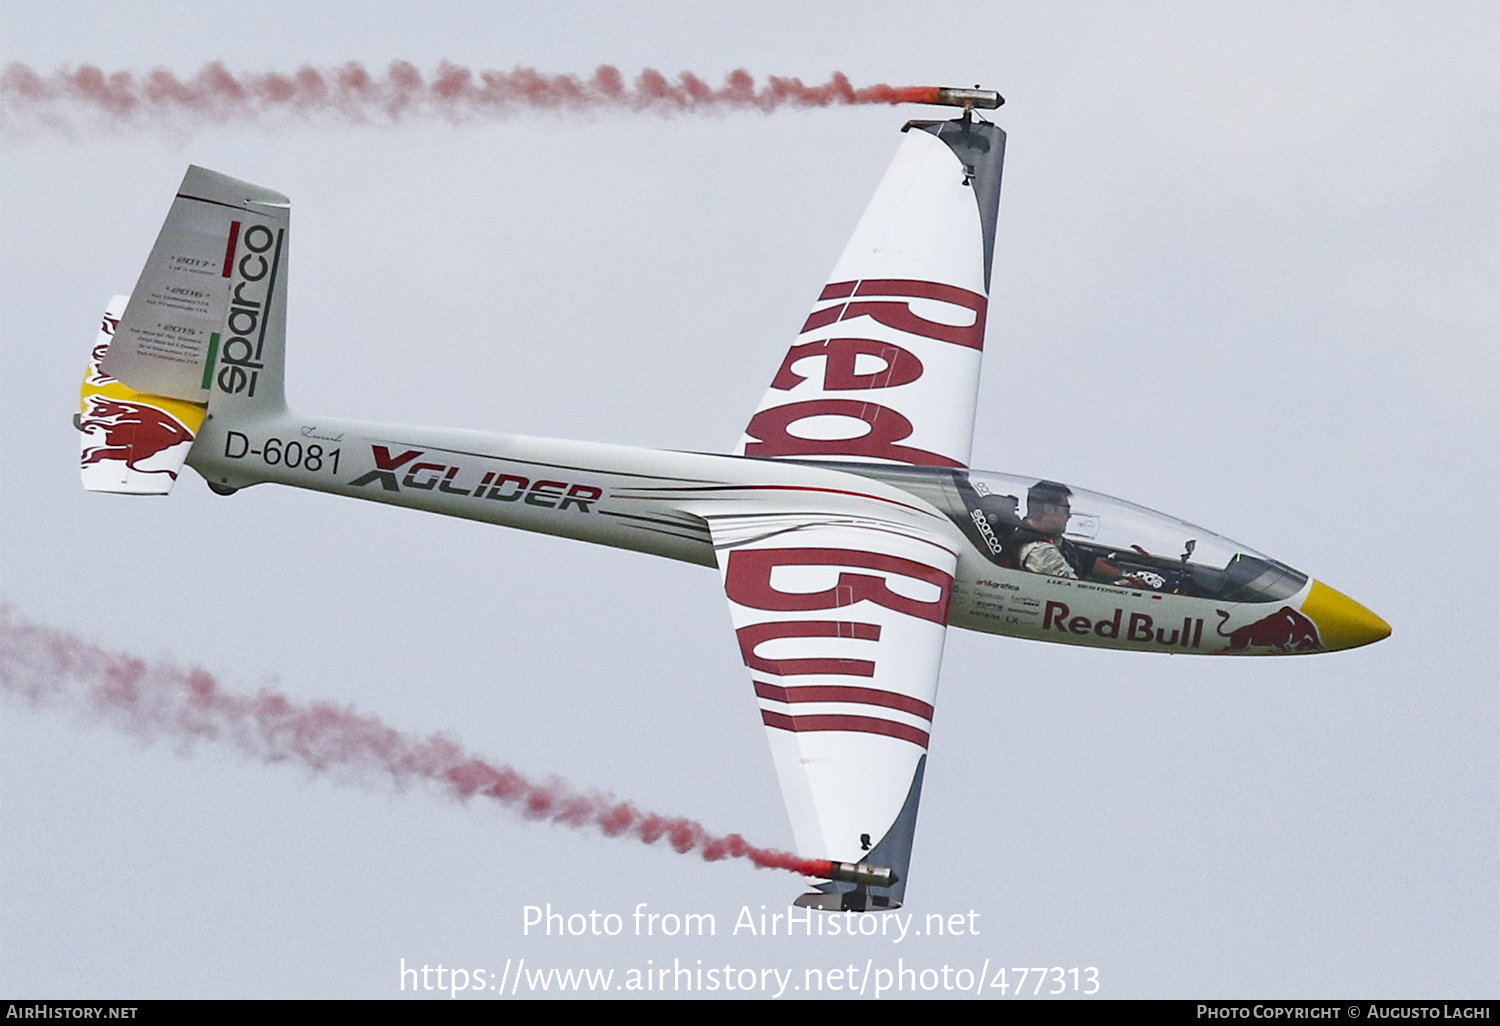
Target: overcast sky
(1245, 273)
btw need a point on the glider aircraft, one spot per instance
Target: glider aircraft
(847, 527)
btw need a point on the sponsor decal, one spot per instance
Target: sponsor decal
(757, 634)
(888, 302)
(404, 471)
(861, 576)
(885, 428)
(843, 693)
(982, 524)
(852, 724)
(1139, 627)
(240, 355)
(234, 238)
(96, 376)
(748, 581)
(1003, 585)
(386, 466)
(121, 425)
(901, 367)
(1285, 630)
(132, 432)
(893, 308)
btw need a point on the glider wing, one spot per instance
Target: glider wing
(886, 367)
(840, 610)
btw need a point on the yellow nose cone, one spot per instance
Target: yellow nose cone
(1342, 622)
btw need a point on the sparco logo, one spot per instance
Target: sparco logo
(254, 283)
(983, 525)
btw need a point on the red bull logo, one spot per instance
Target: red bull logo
(95, 375)
(1140, 627)
(133, 432)
(1285, 630)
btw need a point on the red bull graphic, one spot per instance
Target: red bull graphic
(1285, 630)
(130, 442)
(1139, 628)
(132, 432)
(895, 310)
(96, 376)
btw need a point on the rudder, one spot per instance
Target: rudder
(207, 320)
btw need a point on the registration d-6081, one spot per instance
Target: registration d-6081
(274, 452)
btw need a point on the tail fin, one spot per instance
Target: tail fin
(207, 321)
(133, 442)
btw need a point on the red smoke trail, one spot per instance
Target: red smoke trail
(49, 667)
(351, 94)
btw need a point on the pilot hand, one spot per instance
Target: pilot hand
(1143, 579)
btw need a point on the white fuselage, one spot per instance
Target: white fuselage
(654, 501)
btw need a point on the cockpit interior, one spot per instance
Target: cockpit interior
(1036, 525)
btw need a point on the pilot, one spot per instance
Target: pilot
(1040, 546)
(1039, 541)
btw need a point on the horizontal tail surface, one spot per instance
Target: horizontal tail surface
(132, 442)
